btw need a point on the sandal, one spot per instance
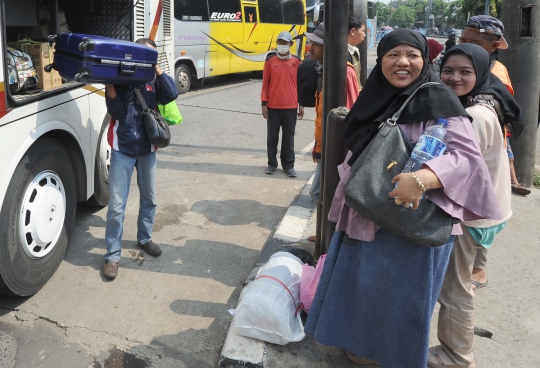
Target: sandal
(479, 285)
(518, 189)
(358, 360)
(438, 358)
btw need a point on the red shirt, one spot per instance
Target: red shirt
(279, 83)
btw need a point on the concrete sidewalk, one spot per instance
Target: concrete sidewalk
(508, 307)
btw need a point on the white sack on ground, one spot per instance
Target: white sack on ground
(266, 310)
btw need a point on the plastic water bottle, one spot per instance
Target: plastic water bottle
(432, 143)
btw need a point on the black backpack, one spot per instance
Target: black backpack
(307, 79)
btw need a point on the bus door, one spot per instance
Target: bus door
(255, 47)
(227, 28)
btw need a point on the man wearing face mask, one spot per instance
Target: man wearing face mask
(280, 107)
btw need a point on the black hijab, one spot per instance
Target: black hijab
(487, 83)
(379, 99)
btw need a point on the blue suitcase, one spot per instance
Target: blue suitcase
(96, 59)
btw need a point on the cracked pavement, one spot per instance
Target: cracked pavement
(216, 208)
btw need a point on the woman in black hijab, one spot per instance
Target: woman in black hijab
(466, 69)
(378, 290)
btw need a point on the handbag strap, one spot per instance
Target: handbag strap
(398, 113)
(141, 99)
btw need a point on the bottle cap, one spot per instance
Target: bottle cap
(442, 122)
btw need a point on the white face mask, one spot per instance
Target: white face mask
(283, 49)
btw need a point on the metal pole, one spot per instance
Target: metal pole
(360, 9)
(336, 20)
(522, 31)
(486, 9)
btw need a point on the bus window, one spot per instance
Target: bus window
(250, 14)
(225, 10)
(194, 10)
(293, 12)
(271, 11)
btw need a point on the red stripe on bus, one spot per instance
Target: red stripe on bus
(155, 26)
(3, 110)
(255, 25)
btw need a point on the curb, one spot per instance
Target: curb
(239, 351)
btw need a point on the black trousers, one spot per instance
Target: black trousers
(285, 119)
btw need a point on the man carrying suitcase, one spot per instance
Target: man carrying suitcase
(131, 149)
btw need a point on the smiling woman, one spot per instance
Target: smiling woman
(402, 65)
(378, 289)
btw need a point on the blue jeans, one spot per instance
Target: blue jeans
(120, 174)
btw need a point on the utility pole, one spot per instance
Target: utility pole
(522, 31)
(486, 8)
(336, 21)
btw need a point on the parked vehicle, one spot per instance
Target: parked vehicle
(230, 36)
(54, 139)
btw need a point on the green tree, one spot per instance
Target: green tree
(383, 14)
(477, 7)
(404, 17)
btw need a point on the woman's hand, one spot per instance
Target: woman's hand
(408, 191)
(159, 71)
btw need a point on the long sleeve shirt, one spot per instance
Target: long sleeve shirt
(126, 132)
(279, 83)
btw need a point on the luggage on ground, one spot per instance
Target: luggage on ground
(96, 59)
(310, 280)
(269, 308)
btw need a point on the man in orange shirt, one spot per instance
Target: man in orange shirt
(487, 32)
(352, 90)
(280, 107)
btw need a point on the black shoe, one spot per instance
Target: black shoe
(151, 248)
(270, 170)
(291, 173)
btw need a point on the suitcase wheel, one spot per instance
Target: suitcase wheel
(87, 45)
(49, 68)
(81, 77)
(52, 39)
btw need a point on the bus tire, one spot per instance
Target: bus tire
(100, 198)
(37, 218)
(183, 78)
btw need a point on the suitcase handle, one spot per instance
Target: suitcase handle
(125, 64)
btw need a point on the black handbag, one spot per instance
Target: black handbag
(155, 125)
(370, 182)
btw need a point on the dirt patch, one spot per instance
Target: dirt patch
(170, 215)
(120, 359)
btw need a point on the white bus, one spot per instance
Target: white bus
(54, 142)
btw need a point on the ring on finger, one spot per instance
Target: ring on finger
(407, 205)
(397, 202)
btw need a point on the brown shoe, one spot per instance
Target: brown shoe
(152, 248)
(110, 270)
(312, 238)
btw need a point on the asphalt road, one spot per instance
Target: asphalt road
(216, 208)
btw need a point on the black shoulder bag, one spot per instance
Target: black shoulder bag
(370, 182)
(155, 125)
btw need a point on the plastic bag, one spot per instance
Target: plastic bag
(171, 113)
(304, 255)
(310, 281)
(269, 306)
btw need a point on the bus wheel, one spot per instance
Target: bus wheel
(100, 198)
(37, 218)
(183, 78)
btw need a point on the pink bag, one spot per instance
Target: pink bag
(309, 282)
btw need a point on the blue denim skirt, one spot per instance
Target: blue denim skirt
(375, 299)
